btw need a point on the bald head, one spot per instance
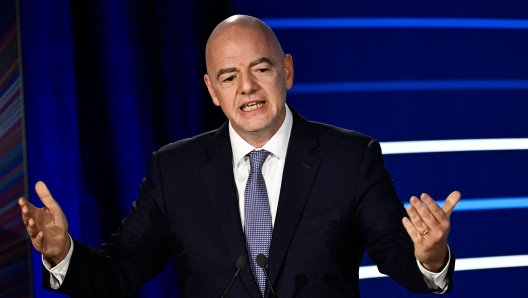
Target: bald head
(241, 28)
(248, 76)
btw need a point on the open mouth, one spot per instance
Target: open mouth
(252, 106)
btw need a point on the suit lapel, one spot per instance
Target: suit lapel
(218, 177)
(298, 176)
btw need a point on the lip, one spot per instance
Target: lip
(253, 102)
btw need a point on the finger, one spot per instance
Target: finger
(22, 202)
(411, 230)
(415, 219)
(32, 228)
(45, 195)
(25, 214)
(425, 214)
(451, 202)
(25, 204)
(27, 210)
(38, 241)
(433, 207)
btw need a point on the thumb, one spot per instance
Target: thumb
(451, 202)
(45, 195)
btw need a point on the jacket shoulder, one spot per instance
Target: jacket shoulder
(196, 145)
(327, 132)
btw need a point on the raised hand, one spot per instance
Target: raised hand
(47, 227)
(428, 225)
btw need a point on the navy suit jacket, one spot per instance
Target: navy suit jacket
(336, 200)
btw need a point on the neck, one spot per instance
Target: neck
(257, 140)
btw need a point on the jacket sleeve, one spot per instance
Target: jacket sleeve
(380, 214)
(136, 253)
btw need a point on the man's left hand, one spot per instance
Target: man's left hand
(428, 225)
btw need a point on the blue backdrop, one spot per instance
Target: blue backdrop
(108, 82)
(105, 84)
(420, 71)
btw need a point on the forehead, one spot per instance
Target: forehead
(239, 45)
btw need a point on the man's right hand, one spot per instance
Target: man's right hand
(47, 227)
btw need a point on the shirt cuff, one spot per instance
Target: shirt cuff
(437, 281)
(58, 273)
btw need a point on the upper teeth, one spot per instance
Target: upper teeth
(252, 106)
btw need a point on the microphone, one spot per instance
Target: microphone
(241, 263)
(262, 261)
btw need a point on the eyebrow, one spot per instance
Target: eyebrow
(225, 70)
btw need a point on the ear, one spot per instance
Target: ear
(211, 90)
(288, 68)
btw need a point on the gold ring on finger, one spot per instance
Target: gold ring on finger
(426, 232)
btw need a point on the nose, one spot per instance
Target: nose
(247, 83)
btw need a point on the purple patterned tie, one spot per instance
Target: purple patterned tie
(258, 227)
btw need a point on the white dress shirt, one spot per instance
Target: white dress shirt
(272, 170)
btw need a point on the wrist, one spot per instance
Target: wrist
(433, 267)
(56, 259)
(436, 266)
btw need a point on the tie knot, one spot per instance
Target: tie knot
(256, 159)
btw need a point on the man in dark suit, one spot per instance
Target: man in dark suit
(327, 197)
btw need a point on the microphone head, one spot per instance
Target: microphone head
(262, 261)
(242, 262)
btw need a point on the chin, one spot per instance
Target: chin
(255, 129)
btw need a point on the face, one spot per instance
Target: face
(248, 76)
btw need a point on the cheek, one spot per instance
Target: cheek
(276, 91)
(214, 96)
(226, 98)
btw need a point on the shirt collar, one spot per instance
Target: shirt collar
(277, 145)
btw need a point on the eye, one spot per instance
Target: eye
(262, 69)
(229, 79)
